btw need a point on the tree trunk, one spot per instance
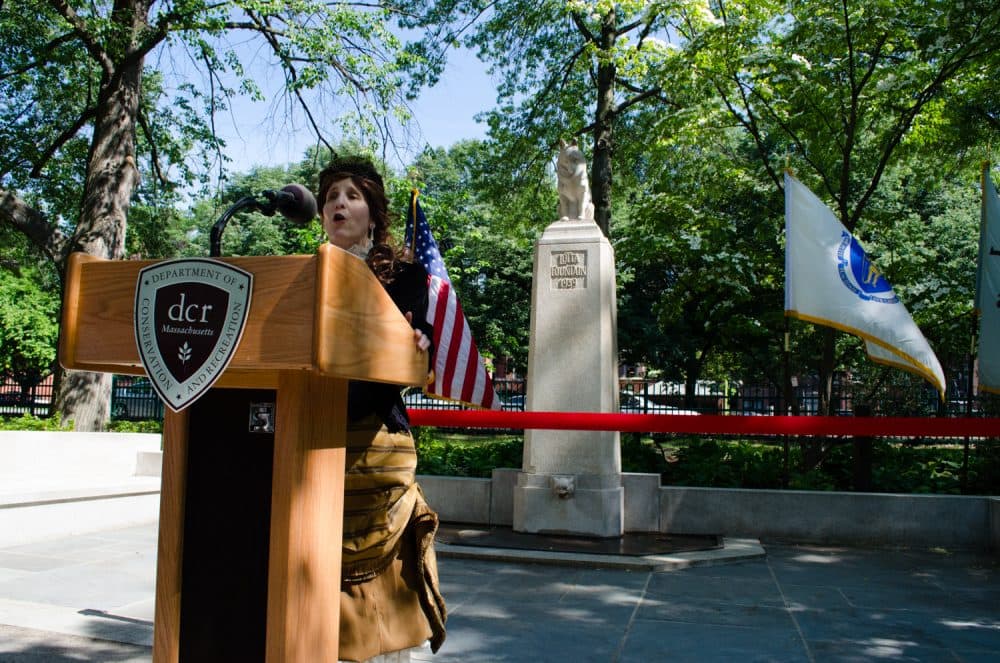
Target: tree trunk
(112, 177)
(603, 127)
(813, 447)
(691, 374)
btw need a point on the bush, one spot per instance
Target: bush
(442, 456)
(120, 426)
(736, 464)
(907, 469)
(638, 456)
(896, 467)
(445, 457)
(29, 422)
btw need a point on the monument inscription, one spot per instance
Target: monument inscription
(568, 270)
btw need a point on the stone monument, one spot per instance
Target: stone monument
(570, 481)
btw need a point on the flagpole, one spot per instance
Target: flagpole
(789, 395)
(974, 320)
(788, 398)
(413, 215)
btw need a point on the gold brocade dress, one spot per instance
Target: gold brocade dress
(390, 598)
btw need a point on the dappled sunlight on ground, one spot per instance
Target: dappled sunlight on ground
(885, 648)
(984, 624)
(808, 558)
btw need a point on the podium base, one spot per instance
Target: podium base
(227, 516)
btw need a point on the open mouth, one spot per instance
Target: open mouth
(339, 217)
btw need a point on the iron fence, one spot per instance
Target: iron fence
(644, 396)
(34, 398)
(134, 399)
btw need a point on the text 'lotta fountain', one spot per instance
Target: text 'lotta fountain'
(570, 481)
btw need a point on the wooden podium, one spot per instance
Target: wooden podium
(249, 552)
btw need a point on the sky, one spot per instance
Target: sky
(261, 134)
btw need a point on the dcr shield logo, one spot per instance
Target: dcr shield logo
(189, 318)
(860, 275)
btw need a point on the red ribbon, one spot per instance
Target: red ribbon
(712, 424)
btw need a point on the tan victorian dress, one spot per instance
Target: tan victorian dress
(390, 599)
(389, 590)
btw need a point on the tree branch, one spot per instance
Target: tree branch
(749, 122)
(625, 29)
(554, 82)
(643, 96)
(965, 54)
(276, 48)
(154, 155)
(47, 50)
(211, 112)
(86, 116)
(80, 28)
(582, 27)
(47, 237)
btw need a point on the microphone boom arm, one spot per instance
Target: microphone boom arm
(293, 201)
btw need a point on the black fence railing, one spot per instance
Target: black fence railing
(17, 399)
(133, 399)
(753, 399)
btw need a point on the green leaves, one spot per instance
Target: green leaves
(486, 247)
(28, 326)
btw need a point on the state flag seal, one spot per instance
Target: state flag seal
(189, 318)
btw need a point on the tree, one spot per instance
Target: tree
(28, 328)
(250, 233)
(577, 67)
(698, 257)
(488, 254)
(29, 304)
(81, 114)
(840, 88)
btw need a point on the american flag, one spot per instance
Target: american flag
(459, 373)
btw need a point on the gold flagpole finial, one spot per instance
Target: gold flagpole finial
(788, 163)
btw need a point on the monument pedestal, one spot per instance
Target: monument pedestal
(570, 481)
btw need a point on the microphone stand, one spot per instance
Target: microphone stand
(251, 203)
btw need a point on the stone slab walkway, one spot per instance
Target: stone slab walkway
(90, 598)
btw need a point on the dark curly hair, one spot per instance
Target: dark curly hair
(383, 256)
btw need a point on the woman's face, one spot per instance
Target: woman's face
(346, 218)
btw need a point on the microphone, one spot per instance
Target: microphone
(293, 201)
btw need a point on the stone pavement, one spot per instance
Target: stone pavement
(89, 597)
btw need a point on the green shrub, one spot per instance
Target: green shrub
(724, 464)
(640, 456)
(446, 457)
(29, 422)
(909, 469)
(984, 469)
(151, 426)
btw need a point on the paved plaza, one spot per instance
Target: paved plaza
(89, 597)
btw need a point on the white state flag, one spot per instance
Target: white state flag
(988, 288)
(830, 281)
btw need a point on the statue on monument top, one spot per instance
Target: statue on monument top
(573, 184)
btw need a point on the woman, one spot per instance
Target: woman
(389, 588)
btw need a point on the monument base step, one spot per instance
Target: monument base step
(502, 544)
(631, 543)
